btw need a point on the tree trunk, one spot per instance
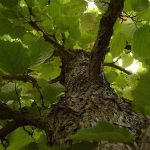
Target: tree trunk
(86, 102)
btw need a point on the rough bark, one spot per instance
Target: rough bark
(85, 103)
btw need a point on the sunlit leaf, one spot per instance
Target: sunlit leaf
(139, 5)
(75, 7)
(144, 15)
(48, 71)
(16, 142)
(117, 44)
(127, 60)
(141, 42)
(141, 94)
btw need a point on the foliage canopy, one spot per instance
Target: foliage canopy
(30, 33)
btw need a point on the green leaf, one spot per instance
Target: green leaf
(13, 57)
(88, 21)
(70, 24)
(64, 1)
(42, 3)
(139, 5)
(74, 29)
(48, 71)
(9, 3)
(103, 131)
(144, 15)
(7, 92)
(29, 38)
(11, 13)
(120, 80)
(108, 58)
(141, 94)
(127, 93)
(11, 29)
(127, 60)
(54, 9)
(141, 42)
(39, 51)
(117, 44)
(86, 38)
(75, 7)
(42, 143)
(31, 146)
(128, 31)
(30, 3)
(111, 75)
(18, 139)
(51, 92)
(47, 24)
(127, 5)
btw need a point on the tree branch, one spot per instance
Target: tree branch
(20, 118)
(46, 36)
(103, 38)
(11, 126)
(117, 67)
(26, 78)
(49, 38)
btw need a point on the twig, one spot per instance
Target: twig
(46, 36)
(5, 143)
(49, 38)
(30, 133)
(25, 78)
(124, 16)
(117, 59)
(63, 39)
(117, 67)
(17, 94)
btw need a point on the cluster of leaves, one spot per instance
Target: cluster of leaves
(130, 42)
(23, 51)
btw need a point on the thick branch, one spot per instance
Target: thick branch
(20, 118)
(24, 78)
(11, 126)
(117, 67)
(103, 38)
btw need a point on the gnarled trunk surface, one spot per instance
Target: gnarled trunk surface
(87, 102)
